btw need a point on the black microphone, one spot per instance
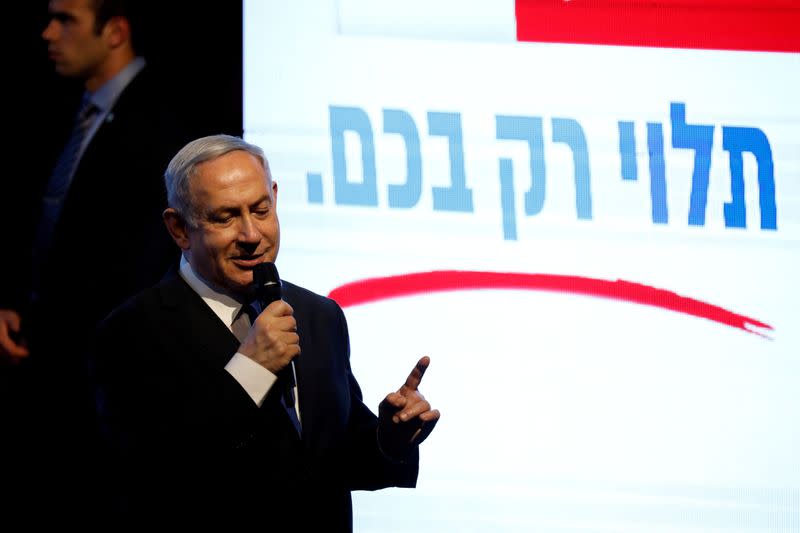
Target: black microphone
(267, 288)
(266, 283)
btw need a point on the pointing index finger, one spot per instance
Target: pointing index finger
(415, 377)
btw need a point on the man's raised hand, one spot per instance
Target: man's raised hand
(405, 417)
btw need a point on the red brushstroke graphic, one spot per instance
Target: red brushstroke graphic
(376, 289)
(757, 25)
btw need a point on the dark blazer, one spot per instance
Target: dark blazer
(199, 445)
(109, 243)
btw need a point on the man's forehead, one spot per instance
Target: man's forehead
(215, 196)
(69, 5)
(232, 204)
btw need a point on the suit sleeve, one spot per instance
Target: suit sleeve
(166, 431)
(368, 467)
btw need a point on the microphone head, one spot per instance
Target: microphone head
(266, 283)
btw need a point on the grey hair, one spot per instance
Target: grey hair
(183, 167)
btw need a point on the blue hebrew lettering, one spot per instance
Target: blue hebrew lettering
(627, 150)
(527, 129)
(314, 183)
(400, 122)
(658, 185)
(698, 138)
(737, 140)
(348, 192)
(456, 197)
(568, 131)
(507, 199)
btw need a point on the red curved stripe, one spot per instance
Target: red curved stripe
(375, 289)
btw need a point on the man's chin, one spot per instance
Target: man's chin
(239, 291)
(244, 280)
(238, 281)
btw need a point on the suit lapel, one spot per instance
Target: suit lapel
(204, 340)
(195, 329)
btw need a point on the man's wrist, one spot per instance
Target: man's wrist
(391, 449)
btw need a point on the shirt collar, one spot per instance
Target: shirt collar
(224, 306)
(106, 96)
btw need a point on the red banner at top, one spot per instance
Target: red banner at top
(758, 25)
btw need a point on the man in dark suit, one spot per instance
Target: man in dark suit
(201, 423)
(97, 239)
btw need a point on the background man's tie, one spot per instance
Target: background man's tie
(57, 187)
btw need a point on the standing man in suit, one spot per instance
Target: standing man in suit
(199, 420)
(98, 239)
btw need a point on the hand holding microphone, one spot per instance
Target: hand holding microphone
(272, 341)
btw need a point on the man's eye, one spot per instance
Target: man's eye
(221, 219)
(261, 212)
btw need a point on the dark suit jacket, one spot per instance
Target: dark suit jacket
(198, 443)
(109, 243)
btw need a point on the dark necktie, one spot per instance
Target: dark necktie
(240, 328)
(57, 187)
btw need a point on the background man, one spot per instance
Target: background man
(94, 238)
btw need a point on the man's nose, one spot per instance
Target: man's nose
(49, 31)
(248, 232)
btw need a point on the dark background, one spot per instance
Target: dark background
(195, 47)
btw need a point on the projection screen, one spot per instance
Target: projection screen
(586, 213)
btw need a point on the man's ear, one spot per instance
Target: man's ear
(177, 227)
(118, 31)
